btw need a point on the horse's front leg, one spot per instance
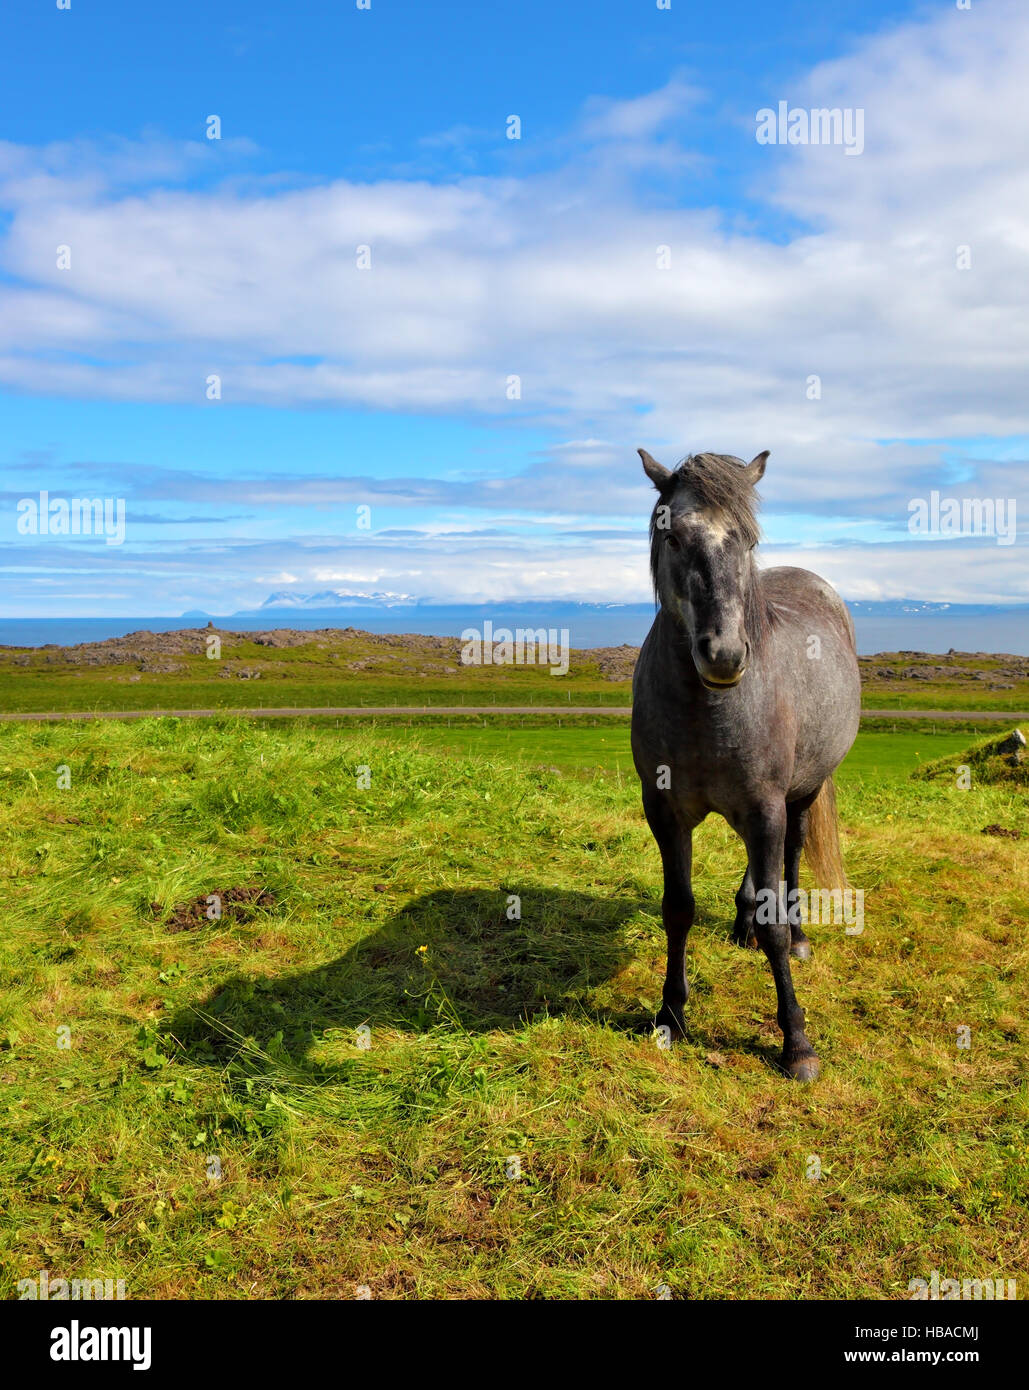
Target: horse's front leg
(765, 836)
(677, 906)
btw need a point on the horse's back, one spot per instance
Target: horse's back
(814, 649)
(794, 594)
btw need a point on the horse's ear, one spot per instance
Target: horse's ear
(756, 467)
(656, 472)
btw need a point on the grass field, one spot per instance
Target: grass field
(333, 668)
(192, 1105)
(605, 747)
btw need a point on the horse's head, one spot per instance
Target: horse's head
(702, 535)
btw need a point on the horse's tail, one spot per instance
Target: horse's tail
(822, 845)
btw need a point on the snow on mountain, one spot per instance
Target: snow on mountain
(337, 598)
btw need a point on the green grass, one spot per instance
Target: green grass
(604, 746)
(352, 668)
(941, 695)
(491, 1039)
(75, 690)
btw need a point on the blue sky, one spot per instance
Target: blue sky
(492, 258)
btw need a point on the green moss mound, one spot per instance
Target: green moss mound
(991, 761)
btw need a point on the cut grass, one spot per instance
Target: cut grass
(511, 1129)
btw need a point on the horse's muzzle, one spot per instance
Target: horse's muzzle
(720, 665)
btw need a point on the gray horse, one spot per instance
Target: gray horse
(746, 697)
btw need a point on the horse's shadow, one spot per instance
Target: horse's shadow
(472, 960)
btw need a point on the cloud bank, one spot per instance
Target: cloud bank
(863, 346)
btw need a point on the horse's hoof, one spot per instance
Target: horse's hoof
(803, 1068)
(801, 949)
(674, 1022)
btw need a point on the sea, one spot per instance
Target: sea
(924, 629)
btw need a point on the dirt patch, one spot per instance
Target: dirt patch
(235, 904)
(1001, 831)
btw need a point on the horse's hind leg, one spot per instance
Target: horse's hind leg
(677, 906)
(765, 834)
(796, 833)
(743, 933)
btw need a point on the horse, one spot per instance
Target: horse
(746, 698)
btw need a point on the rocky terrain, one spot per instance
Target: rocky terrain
(1003, 672)
(351, 649)
(402, 653)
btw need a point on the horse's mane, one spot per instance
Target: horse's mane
(719, 486)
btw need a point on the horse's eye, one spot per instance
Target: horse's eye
(673, 541)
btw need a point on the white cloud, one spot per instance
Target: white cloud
(229, 574)
(639, 117)
(554, 277)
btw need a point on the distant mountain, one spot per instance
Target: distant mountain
(889, 607)
(337, 598)
(923, 608)
(328, 599)
(882, 625)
